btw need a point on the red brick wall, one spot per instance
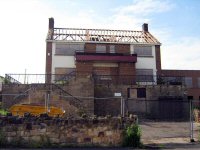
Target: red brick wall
(90, 47)
(105, 70)
(119, 48)
(84, 67)
(122, 48)
(188, 73)
(122, 69)
(126, 68)
(195, 90)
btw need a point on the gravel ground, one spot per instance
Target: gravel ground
(166, 133)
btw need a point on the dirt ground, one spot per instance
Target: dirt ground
(168, 132)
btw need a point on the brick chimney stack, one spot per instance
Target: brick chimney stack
(51, 23)
(145, 27)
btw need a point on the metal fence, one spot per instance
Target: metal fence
(98, 79)
(157, 110)
(139, 79)
(38, 78)
(162, 121)
(161, 110)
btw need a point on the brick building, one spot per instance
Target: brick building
(134, 55)
(102, 52)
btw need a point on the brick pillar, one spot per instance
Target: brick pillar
(145, 27)
(158, 59)
(51, 27)
(48, 62)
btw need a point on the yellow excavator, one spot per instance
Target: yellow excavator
(35, 110)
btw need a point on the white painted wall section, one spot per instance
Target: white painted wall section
(59, 61)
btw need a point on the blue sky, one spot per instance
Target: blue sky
(24, 24)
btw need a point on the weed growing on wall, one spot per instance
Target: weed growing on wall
(132, 136)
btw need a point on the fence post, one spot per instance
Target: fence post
(191, 122)
(121, 106)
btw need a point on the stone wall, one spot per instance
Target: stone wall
(78, 88)
(153, 103)
(92, 132)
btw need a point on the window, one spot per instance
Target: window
(112, 48)
(144, 75)
(143, 50)
(68, 49)
(174, 80)
(100, 48)
(141, 93)
(198, 82)
(188, 82)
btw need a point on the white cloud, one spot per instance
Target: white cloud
(145, 7)
(137, 13)
(182, 54)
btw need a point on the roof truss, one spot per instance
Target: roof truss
(101, 35)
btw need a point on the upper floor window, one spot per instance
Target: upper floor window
(100, 48)
(112, 48)
(143, 50)
(188, 82)
(68, 49)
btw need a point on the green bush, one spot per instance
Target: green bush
(3, 112)
(132, 136)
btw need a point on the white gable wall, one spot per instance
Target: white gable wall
(146, 62)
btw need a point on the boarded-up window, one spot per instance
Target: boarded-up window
(144, 75)
(141, 93)
(112, 48)
(68, 49)
(188, 82)
(136, 93)
(143, 50)
(100, 48)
